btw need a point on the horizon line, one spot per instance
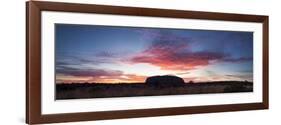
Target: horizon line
(189, 82)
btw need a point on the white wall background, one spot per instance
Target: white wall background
(12, 62)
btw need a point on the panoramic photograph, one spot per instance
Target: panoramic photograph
(95, 61)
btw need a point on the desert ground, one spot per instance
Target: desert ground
(101, 90)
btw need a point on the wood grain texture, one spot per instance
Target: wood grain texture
(33, 61)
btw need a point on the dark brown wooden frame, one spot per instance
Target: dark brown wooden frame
(33, 61)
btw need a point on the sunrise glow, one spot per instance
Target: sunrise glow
(106, 54)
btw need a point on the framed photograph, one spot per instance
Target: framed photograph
(94, 62)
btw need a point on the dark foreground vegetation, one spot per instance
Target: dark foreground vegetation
(101, 90)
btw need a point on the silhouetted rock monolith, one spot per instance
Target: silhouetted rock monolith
(164, 81)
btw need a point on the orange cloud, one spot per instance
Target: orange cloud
(99, 77)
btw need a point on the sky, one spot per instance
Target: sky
(111, 54)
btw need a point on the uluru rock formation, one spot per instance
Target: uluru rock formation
(163, 81)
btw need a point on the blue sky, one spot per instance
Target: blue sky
(107, 54)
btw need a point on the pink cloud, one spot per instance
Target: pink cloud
(173, 53)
